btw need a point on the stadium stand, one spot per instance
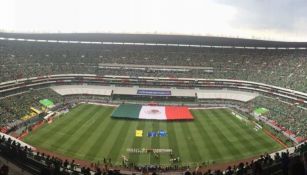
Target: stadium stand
(284, 68)
(17, 107)
(285, 114)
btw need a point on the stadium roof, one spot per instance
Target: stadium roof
(156, 39)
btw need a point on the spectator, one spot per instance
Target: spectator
(4, 170)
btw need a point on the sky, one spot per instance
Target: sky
(284, 20)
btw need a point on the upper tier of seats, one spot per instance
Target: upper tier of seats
(285, 68)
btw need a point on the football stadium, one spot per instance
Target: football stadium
(104, 107)
(152, 102)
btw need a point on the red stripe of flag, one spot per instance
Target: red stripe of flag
(178, 113)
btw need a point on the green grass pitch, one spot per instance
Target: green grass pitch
(88, 132)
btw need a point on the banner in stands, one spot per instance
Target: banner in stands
(134, 111)
(47, 103)
(260, 111)
(154, 92)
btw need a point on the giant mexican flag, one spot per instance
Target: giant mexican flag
(132, 111)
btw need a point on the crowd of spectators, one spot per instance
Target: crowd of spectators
(13, 108)
(285, 68)
(289, 115)
(44, 164)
